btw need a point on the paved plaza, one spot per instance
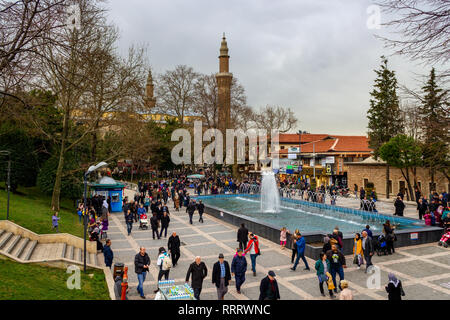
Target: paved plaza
(424, 269)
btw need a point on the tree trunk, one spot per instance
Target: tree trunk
(59, 171)
(387, 181)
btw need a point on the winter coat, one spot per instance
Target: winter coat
(154, 223)
(239, 265)
(216, 274)
(165, 221)
(140, 261)
(173, 244)
(109, 255)
(319, 267)
(399, 207)
(394, 293)
(301, 243)
(199, 272)
(265, 286)
(242, 234)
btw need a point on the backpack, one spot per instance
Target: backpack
(166, 263)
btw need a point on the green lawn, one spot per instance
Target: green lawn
(32, 211)
(33, 282)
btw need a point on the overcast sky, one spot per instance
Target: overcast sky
(315, 56)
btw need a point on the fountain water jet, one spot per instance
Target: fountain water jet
(270, 198)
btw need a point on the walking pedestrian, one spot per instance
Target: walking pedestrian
(190, 209)
(242, 236)
(221, 276)
(129, 221)
(394, 288)
(253, 249)
(173, 245)
(201, 210)
(357, 250)
(301, 244)
(164, 224)
(399, 206)
(55, 222)
(294, 244)
(108, 253)
(164, 263)
(154, 225)
(322, 267)
(346, 293)
(388, 231)
(238, 269)
(198, 271)
(141, 267)
(337, 264)
(367, 249)
(268, 288)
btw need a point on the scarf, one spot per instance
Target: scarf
(393, 279)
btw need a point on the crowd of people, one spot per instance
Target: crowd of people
(153, 199)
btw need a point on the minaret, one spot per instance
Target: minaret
(149, 91)
(224, 88)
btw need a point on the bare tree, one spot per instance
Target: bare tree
(423, 28)
(278, 118)
(175, 92)
(26, 26)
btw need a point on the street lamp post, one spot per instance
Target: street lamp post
(86, 174)
(8, 179)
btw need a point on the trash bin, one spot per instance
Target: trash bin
(118, 268)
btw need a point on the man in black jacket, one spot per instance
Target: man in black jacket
(173, 246)
(190, 209)
(154, 226)
(367, 246)
(268, 289)
(141, 265)
(422, 207)
(337, 263)
(399, 206)
(165, 219)
(221, 276)
(201, 209)
(199, 272)
(242, 237)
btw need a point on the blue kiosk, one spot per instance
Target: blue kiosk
(108, 187)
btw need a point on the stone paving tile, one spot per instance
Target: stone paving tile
(209, 229)
(442, 281)
(229, 235)
(418, 269)
(443, 259)
(425, 250)
(417, 292)
(206, 249)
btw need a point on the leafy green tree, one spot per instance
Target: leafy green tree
(435, 123)
(385, 121)
(24, 162)
(72, 178)
(402, 152)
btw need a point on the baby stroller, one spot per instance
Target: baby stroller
(445, 240)
(143, 222)
(381, 246)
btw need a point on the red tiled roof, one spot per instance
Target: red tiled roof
(332, 144)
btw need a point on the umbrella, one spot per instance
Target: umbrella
(196, 176)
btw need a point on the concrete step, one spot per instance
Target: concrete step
(93, 259)
(12, 244)
(2, 232)
(63, 251)
(5, 240)
(20, 247)
(77, 255)
(69, 252)
(28, 252)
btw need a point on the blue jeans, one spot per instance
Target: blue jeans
(141, 279)
(240, 279)
(339, 271)
(253, 258)
(129, 227)
(197, 292)
(298, 259)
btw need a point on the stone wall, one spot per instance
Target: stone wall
(376, 173)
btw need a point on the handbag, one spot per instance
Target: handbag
(355, 259)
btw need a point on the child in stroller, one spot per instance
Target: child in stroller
(381, 245)
(143, 221)
(445, 240)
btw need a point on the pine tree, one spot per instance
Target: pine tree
(434, 126)
(385, 121)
